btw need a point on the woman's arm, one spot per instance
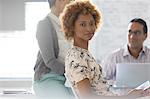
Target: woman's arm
(84, 89)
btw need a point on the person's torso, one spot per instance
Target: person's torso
(94, 71)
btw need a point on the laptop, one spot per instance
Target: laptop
(131, 75)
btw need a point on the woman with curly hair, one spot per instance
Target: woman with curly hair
(79, 21)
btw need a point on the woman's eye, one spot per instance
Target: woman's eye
(82, 24)
(91, 24)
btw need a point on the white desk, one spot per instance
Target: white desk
(148, 97)
(17, 97)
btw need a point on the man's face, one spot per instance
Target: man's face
(62, 4)
(136, 35)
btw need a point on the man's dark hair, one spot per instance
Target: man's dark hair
(142, 22)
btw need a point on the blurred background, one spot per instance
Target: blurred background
(19, 18)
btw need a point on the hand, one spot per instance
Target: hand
(135, 92)
(146, 92)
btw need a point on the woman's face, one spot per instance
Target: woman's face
(84, 27)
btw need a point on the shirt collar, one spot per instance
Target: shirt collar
(54, 17)
(126, 51)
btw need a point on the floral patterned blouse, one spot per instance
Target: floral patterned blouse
(79, 64)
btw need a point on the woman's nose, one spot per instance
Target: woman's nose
(90, 28)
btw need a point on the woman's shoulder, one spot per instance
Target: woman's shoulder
(77, 52)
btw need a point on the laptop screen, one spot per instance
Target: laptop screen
(132, 74)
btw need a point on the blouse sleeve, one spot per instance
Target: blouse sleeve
(77, 69)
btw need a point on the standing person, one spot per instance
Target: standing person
(49, 68)
(80, 19)
(133, 52)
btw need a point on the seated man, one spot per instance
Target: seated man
(133, 52)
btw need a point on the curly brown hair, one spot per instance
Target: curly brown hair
(71, 13)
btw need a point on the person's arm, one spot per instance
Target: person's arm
(85, 92)
(77, 72)
(139, 92)
(135, 92)
(84, 88)
(45, 38)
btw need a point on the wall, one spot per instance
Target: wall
(12, 15)
(0, 12)
(116, 16)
